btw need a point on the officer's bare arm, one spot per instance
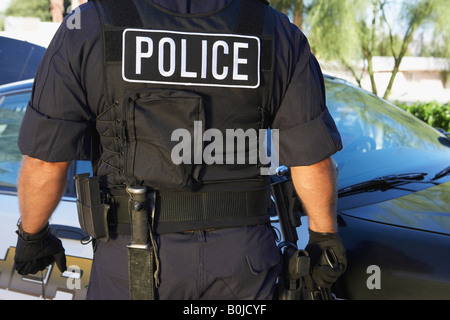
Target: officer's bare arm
(40, 188)
(316, 186)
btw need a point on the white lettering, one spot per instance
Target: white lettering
(270, 142)
(215, 57)
(184, 72)
(172, 57)
(240, 137)
(74, 274)
(204, 58)
(241, 147)
(198, 142)
(213, 152)
(237, 61)
(243, 310)
(181, 153)
(211, 311)
(74, 20)
(140, 54)
(161, 61)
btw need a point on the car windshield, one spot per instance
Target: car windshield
(380, 139)
(12, 109)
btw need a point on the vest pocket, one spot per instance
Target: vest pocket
(165, 134)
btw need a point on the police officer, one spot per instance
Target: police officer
(116, 89)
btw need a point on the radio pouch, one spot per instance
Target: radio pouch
(92, 213)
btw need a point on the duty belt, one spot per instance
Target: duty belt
(184, 211)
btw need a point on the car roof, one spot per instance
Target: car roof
(16, 86)
(19, 60)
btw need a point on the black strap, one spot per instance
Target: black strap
(122, 13)
(251, 17)
(118, 14)
(212, 205)
(202, 206)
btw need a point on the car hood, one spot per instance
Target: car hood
(425, 210)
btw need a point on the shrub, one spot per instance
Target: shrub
(435, 114)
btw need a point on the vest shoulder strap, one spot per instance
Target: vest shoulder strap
(251, 17)
(125, 14)
(119, 13)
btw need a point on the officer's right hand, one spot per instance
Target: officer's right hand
(34, 252)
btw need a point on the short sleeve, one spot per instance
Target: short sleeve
(307, 132)
(57, 125)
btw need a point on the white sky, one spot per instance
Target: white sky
(3, 4)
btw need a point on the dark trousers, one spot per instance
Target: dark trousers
(229, 263)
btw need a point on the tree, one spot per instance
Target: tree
(354, 31)
(295, 8)
(29, 8)
(331, 28)
(415, 14)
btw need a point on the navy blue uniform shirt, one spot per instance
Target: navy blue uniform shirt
(68, 93)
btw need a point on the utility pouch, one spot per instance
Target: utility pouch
(92, 213)
(157, 120)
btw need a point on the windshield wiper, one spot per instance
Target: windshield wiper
(383, 183)
(441, 173)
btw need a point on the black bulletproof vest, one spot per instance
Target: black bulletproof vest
(181, 90)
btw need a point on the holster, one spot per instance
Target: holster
(295, 263)
(92, 212)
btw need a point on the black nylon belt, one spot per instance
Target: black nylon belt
(233, 206)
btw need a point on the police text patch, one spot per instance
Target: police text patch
(184, 58)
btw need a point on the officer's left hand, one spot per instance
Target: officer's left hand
(34, 252)
(323, 275)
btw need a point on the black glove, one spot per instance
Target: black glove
(323, 275)
(34, 252)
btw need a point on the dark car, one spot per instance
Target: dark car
(394, 199)
(394, 204)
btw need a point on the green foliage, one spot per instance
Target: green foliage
(435, 114)
(29, 8)
(331, 28)
(354, 31)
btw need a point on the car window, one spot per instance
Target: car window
(12, 110)
(83, 166)
(380, 139)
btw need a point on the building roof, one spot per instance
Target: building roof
(410, 64)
